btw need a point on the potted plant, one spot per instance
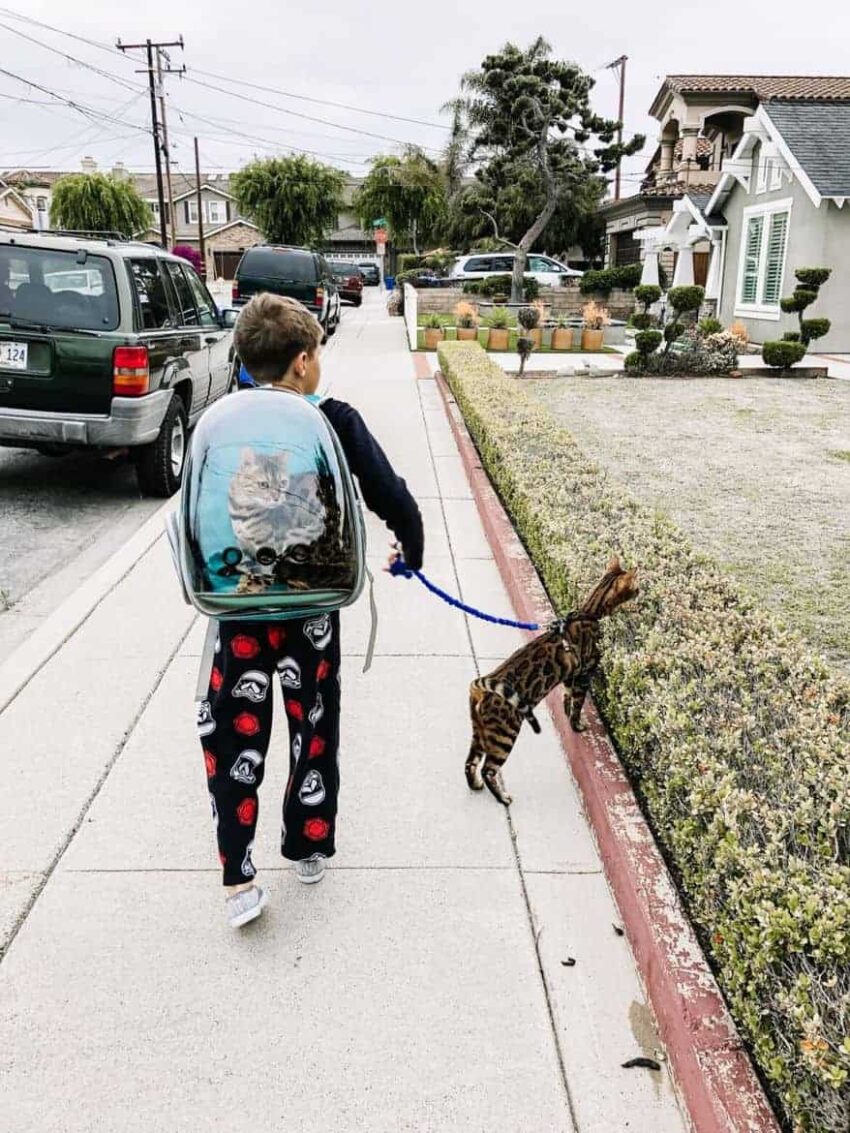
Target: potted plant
(562, 335)
(499, 335)
(529, 319)
(467, 322)
(594, 318)
(433, 332)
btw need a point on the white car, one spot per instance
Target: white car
(547, 272)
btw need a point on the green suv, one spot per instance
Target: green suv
(107, 343)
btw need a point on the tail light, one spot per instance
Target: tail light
(355, 281)
(234, 293)
(320, 296)
(131, 371)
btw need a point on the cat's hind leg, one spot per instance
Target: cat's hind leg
(477, 752)
(503, 723)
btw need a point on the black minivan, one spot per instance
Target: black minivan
(297, 272)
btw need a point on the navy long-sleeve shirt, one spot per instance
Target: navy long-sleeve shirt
(384, 492)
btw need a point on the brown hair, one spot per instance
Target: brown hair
(271, 332)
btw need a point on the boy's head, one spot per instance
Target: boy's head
(278, 341)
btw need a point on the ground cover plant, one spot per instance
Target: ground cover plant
(733, 729)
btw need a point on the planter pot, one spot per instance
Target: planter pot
(498, 339)
(433, 338)
(562, 338)
(467, 334)
(500, 300)
(591, 339)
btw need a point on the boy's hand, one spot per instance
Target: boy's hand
(395, 555)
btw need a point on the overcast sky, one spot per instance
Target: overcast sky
(398, 58)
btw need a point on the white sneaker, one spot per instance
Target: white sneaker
(244, 907)
(310, 870)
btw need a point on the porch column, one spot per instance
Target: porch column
(666, 163)
(688, 164)
(650, 269)
(683, 276)
(712, 283)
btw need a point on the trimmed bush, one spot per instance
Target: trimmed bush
(641, 320)
(647, 293)
(407, 261)
(813, 277)
(791, 336)
(648, 341)
(734, 733)
(606, 279)
(801, 299)
(783, 355)
(811, 329)
(685, 299)
(528, 317)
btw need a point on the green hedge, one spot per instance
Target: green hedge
(607, 279)
(734, 733)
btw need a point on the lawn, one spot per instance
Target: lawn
(757, 472)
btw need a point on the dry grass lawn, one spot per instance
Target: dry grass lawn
(757, 472)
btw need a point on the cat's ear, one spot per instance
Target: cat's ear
(614, 565)
(249, 456)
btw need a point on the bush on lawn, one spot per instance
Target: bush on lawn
(733, 731)
(501, 285)
(784, 354)
(407, 261)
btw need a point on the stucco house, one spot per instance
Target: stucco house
(15, 211)
(778, 205)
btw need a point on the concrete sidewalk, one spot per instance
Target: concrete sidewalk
(422, 985)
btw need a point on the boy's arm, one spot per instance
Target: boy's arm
(383, 491)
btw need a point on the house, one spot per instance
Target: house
(778, 205)
(15, 211)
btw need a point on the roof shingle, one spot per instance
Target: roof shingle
(818, 136)
(814, 88)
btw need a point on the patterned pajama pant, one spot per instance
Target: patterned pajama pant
(235, 723)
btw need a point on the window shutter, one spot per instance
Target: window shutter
(772, 286)
(227, 212)
(186, 212)
(752, 255)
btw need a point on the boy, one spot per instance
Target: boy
(278, 341)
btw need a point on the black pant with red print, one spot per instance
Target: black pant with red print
(235, 723)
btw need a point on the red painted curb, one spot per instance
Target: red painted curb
(716, 1080)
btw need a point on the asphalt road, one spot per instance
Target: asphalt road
(54, 510)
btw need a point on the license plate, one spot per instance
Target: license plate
(13, 355)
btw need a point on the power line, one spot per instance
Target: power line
(128, 85)
(87, 111)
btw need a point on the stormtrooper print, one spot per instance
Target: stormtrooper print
(235, 725)
(290, 672)
(244, 770)
(312, 792)
(318, 632)
(253, 686)
(206, 723)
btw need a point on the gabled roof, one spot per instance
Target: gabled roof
(814, 141)
(818, 135)
(817, 88)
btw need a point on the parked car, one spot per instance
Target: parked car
(371, 273)
(546, 271)
(108, 344)
(349, 279)
(297, 272)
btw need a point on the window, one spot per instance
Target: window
(762, 263)
(150, 291)
(538, 263)
(185, 299)
(769, 174)
(41, 204)
(216, 212)
(479, 263)
(203, 300)
(502, 264)
(191, 210)
(154, 209)
(53, 287)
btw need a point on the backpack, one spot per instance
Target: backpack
(269, 524)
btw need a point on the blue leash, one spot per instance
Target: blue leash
(401, 570)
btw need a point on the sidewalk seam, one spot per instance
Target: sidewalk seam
(71, 834)
(419, 364)
(717, 1084)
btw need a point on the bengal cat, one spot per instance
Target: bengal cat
(567, 653)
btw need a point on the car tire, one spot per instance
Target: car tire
(159, 465)
(332, 326)
(358, 302)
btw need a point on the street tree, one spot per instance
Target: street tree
(537, 140)
(409, 192)
(292, 200)
(99, 203)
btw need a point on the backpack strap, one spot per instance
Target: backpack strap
(373, 631)
(207, 658)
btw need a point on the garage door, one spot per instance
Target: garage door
(226, 264)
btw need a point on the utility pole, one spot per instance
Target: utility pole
(149, 46)
(201, 248)
(165, 147)
(619, 65)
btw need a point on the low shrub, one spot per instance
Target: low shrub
(783, 354)
(648, 341)
(467, 315)
(188, 253)
(501, 285)
(735, 734)
(710, 325)
(499, 318)
(605, 280)
(407, 261)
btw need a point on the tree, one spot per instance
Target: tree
(293, 200)
(98, 203)
(409, 191)
(531, 123)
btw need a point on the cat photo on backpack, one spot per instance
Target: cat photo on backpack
(567, 653)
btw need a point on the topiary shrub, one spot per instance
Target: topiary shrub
(641, 320)
(810, 281)
(528, 317)
(782, 355)
(647, 294)
(685, 300)
(648, 341)
(791, 336)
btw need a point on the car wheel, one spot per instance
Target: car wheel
(332, 326)
(159, 465)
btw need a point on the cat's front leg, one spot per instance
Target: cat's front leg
(574, 696)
